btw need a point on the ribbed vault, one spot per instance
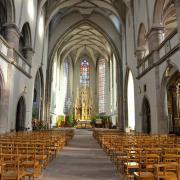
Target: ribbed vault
(84, 40)
(113, 9)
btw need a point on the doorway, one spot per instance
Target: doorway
(20, 115)
(146, 117)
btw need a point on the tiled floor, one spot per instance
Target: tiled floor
(81, 159)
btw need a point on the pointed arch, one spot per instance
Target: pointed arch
(25, 42)
(38, 95)
(20, 114)
(170, 86)
(142, 43)
(115, 51)
(165, 15)
(146, 116)
(129, 100)
(26, 35)
(7, 14)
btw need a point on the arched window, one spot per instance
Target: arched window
(102, 81)
(131, 103)
(66, 84)
(84, 73)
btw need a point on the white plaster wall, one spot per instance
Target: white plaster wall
(140, 16)
(4, 67)
(18, 82)
(150, 79)
(25, 11)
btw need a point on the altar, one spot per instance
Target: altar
(84, 123)
(83, 106)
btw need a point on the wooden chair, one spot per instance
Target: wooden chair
(132, 162)
(167, 171)
(12, 170)
(146, 168)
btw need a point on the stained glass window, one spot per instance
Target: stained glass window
(84, 73)
(101, 69)
(66, 83)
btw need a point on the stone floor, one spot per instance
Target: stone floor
(81, 159)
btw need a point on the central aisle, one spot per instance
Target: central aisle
(81, 159)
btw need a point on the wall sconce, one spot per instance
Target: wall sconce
(25, 90)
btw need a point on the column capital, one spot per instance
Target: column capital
(155, 28)
(140, 52)
(155, 36)
(28, 53)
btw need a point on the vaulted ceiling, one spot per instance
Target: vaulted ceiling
(113, 9)
(84, 40)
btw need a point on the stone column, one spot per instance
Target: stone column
(177, 6)
(12, 35)
(28, 53)
(155, 36)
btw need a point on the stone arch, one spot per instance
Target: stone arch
(25, 42)
(146, 116)
(7, 14)
(141, 35)
(142, 42)
(20, 114)
(116, 53)
(8, 11)
(158, 8)
(170, 73)
(38, 95)
(165, 15)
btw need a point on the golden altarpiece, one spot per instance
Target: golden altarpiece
(83, 102)
(83, 105)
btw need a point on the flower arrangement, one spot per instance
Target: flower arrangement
(64, 121)
(39, 124)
